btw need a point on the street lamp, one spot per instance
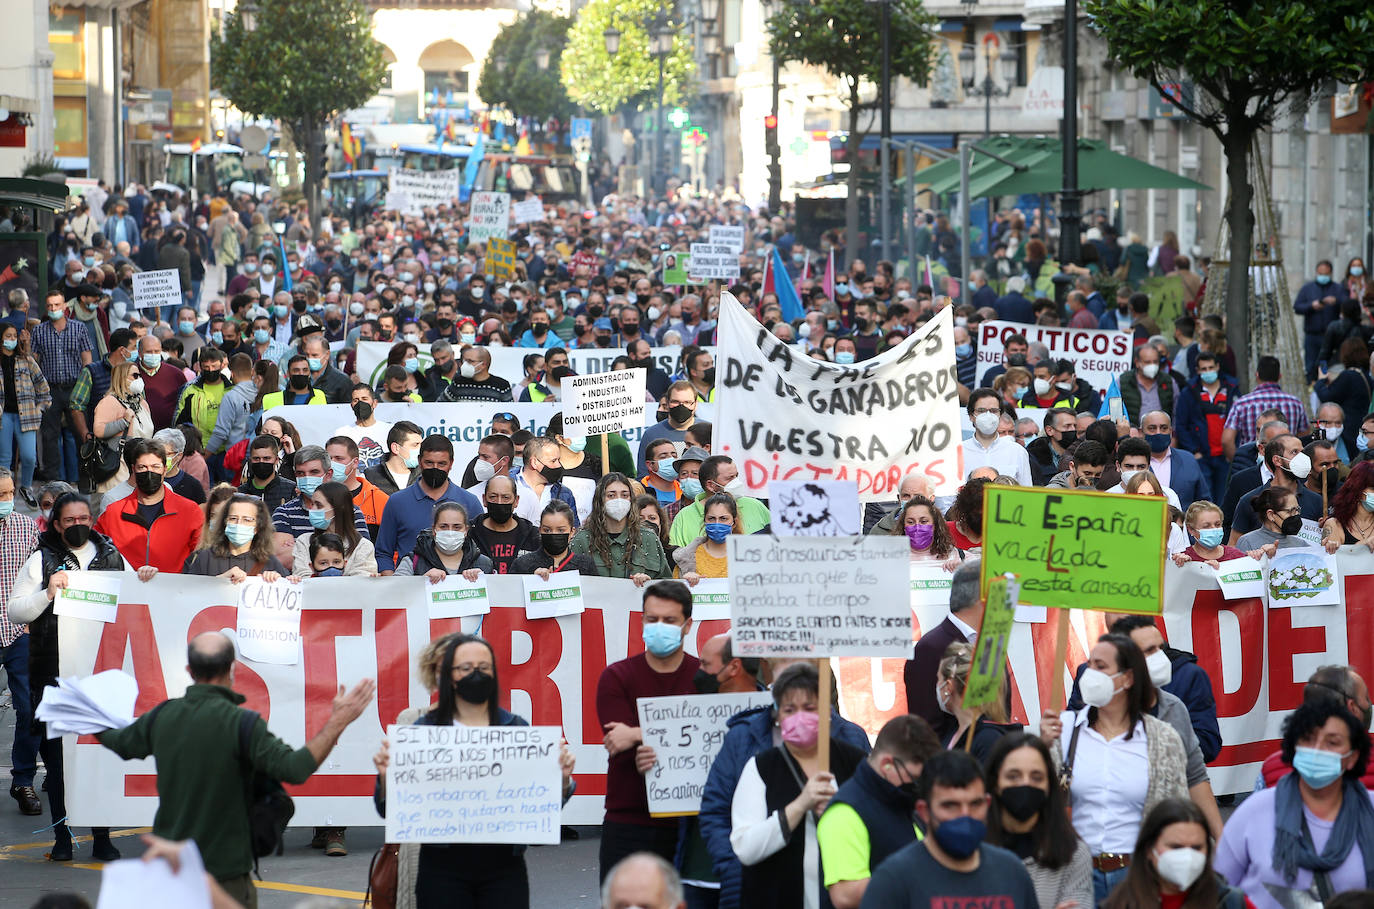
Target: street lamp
(710, 14)
(541, 57)
(885, 134)
(499, 62)
(248, 16)
(612, 38)
(771, 147)
(1007, 63)
(661, 44)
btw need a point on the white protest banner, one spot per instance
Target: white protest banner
(930, 583)
(1098, 356)
(1311, 533)
(815, 508)
(473, 784)
(807, 597)
(530, 208)
(425, 188)
(1302, 577)
(1240, 578)
(488, 216)
(686, 732)
(603, 402)
(269, 621)
(455, 597)
(710, 261)
(711, 593)
(561, 594)
(90, 595)
(786, 416)
(157, 288)
(400, 202)
(731, 235)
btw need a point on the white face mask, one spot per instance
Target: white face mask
(1126, 476)
(986, 423)
(136, 387)
(736, 487)
(1042, 387)
(467, 370)
(1161, 669)
(483, 470)
(1181, 867)
(617, 509)
(940, 697)
(1332, 433)
(1096, 687)
(1150, 370)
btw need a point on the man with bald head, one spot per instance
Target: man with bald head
(162, 383)
(913, 484)
(722, 672)
(642, 881)
(475, 382)
(201, 776)
(1175, 469)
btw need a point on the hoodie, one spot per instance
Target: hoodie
(233, 423)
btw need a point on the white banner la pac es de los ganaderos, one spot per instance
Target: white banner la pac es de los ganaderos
(786, 416)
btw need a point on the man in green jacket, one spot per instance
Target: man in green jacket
(202, 780)
(718, 474)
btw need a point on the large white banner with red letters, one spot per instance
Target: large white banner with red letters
(1257, 658)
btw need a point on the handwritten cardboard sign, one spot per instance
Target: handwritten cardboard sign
(269, 621)
(473, 784)
(686, 732)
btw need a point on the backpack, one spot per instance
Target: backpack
(229, 251)
(270, 809)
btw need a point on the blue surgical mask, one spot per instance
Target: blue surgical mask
(1317, 768)
(691, 486)
(6, 508)
(217, 337)
(413, 459)
(666, 470)
(308, 485)
(1362, 442)
(716, 532)
(844, 357)
(1368, 496)
(315, 363)
(1356, 270)
(577, 444)
(1208, 377)
(333, 571)
(517, 464)
(1211, 537)
(412, 364)
(832, 324)
(279, 310)
(662, 639)
(11, 343)
(1323, 279)
(963, 350)
(186, 327)
(239, 534)
(319, 517)
(841, 288)
(338, 471)
(261, 336)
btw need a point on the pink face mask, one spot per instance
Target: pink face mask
(801, 728)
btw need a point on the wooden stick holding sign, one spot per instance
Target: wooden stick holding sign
(605, 454)
(823, 705)
(1061, 651)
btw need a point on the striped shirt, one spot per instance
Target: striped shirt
(1265, 396)
(18, 537)
(59, 352)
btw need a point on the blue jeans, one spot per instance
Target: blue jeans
(24, 755)
(12, 436)
(1104, 882)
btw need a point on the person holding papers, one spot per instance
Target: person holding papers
(467, 874)
(1204, 522)
(238, 543)
(67, 544)
(331, 511)
(615, 537)
(446, 548)
(555, 552)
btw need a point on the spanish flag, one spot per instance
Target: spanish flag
(349, 145)
(522, 147)
(196, 144)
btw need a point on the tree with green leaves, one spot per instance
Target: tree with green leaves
(1248, 62)
(305, 62)
(845, 38)
(520, 85)
(606, 84)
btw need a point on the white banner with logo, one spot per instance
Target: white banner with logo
(1098, 356)
(786, 416)
(423, 189)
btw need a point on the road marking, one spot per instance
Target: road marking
(114, 834)
(354, 895)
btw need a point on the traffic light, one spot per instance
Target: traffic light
(770, 133)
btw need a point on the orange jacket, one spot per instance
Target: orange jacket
(166, 545)
(370, 501)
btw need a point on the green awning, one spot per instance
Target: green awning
(1098, 168)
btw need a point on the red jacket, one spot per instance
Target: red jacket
(1274, 769)
(166, 545)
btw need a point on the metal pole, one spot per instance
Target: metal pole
(1069, 199)
(774, 151)
(885, 141)
(910, 154)
(660, 168)
(965, 157)
(987, 102)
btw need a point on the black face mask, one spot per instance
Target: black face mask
(334, 324)
(595, 312)
(1022, 802)
(560, 373)
(709, 376)
(1068, 437)
(213, 377)
(76, 535)
(630, 329)
(539, 329)
(679, 413)
(298, 305)
(553, 543)
(861, 323)
(476, 687)
(551, 474)
(1291, 525)
(705, 682)
(1017, 359)
(500, 512)
(603, 341)
(1333, 479)
(433, 477)
(299, 383)
(362, 410)
(148, 482)
(262, 470)
(445, 325)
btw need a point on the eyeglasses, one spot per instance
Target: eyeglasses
(467, 668)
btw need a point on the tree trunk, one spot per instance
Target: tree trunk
(851, 202)
(314, 154)
(1241, 221)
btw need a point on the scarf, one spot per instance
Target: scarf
(1293, 847)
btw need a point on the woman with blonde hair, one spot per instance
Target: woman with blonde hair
(987, 724)
(1145, 483)
(1012, 384)
(119, 416)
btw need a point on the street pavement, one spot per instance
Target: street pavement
(560, 876)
